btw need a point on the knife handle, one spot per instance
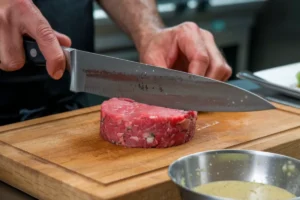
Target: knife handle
(33, 55)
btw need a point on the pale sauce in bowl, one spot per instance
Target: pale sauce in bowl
(242, 190)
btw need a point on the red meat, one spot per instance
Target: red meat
(131, 124)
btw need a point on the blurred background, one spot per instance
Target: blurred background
(252, 34)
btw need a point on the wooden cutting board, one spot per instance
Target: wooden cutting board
(63, 156)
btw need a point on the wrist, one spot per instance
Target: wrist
(143, 35)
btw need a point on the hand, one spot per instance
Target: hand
(188, 48)
(22, 17)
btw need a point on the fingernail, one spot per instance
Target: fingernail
(58, 74)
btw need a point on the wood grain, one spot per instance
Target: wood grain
(65, 158)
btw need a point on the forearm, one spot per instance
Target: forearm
(138, 18)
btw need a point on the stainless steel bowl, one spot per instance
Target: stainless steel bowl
(242, 165)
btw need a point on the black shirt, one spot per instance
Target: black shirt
(31, 88)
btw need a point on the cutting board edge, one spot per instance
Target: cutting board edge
(286, 108)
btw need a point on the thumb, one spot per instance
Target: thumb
(63, 39)
(154, 58)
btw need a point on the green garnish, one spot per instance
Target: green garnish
(298, 78)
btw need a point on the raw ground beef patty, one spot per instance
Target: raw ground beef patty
(131, 124)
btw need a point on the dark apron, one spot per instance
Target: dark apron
(30, 92)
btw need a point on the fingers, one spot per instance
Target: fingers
(35, 25)
(228, 73)
(191, 43)
(202, 53)
(19, 17)
(63, 39)
(218, 68)
(11, 50)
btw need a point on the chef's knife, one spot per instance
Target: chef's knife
(113, 77)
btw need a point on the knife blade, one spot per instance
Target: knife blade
(113, 77)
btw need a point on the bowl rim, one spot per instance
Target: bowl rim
(252, 152)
